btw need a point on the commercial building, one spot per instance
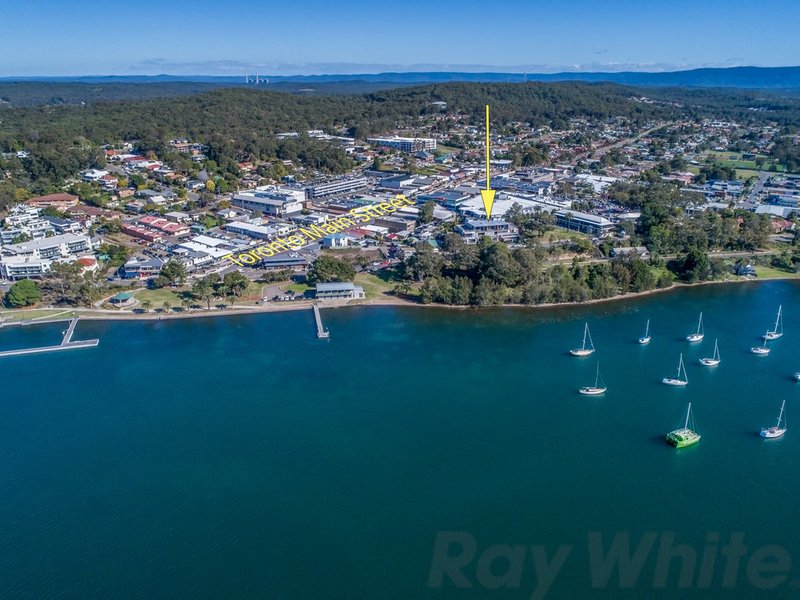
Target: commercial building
(286, 260)
(141, 267)
(339, 290)
(448, 198)
(584, 222)
(397, 182)
(344, 185)
(338, 240)
(404, 144)
(140, 232)
(498, 231)
(272, 201)
(260, 232)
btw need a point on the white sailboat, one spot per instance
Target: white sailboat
(777, 331)
(677, 379)
(761, 350)
(584, 350)
(645, 339)
(777, 430)
(698, 335)
(797, 376)
(714, 360)
(599, 386)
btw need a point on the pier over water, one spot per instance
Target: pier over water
(322, 333)
(66, 342)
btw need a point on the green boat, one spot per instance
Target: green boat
(685, 436)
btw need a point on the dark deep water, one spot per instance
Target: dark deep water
(242, 457)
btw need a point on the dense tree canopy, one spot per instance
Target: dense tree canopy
(327, 268)
(23, 293)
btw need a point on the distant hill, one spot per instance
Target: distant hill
(734, 77)
(54, 93)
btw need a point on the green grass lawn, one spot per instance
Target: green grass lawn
(745, 174)
(773, 273)
(159, 296)
(297, 288)
(734, 159)
(447, 149)
(38, 314)
(374, 286)
(253, 292)
(563, 234)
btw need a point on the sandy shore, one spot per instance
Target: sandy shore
(277, 307)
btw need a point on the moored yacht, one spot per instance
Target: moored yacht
(645, 339)
(776, 430)
(685, 436)
(761, 350)
(599, 386)
(678, 380)
(698, 335)
(584, 350)
(714, 360)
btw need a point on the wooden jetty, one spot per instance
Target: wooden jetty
(322, 333)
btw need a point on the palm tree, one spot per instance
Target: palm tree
(147, 305)
(166, 306)
(186, 303)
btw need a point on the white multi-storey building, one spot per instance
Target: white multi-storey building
(57, 246)
(404, 144)
(273, 201)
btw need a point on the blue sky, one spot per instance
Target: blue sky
(79, 37)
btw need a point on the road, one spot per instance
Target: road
(599, 152)
(758, 186)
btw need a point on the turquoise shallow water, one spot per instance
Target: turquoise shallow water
(242, 457)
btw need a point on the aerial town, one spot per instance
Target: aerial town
(126, 220)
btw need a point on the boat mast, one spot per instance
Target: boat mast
(585, 331)
(688, 412)
(778, 322)
(700, 324)
(589, 333)
(716, 349)
(647, 328)
(780, 415)
(597, 376)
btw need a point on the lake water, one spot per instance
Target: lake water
(242, 457)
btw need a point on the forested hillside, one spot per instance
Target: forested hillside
(240, 124)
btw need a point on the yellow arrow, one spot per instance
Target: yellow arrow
(488, 193)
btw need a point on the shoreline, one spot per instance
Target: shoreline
(92, 314)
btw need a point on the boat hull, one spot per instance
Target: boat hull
(580, 352)
(709, 362)
(773, 432)
(759, 350)
(591, 391)
(695, 337)
(772, 336)
(682, 438)
(673, 381)
(644, 340)
(797, 376)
